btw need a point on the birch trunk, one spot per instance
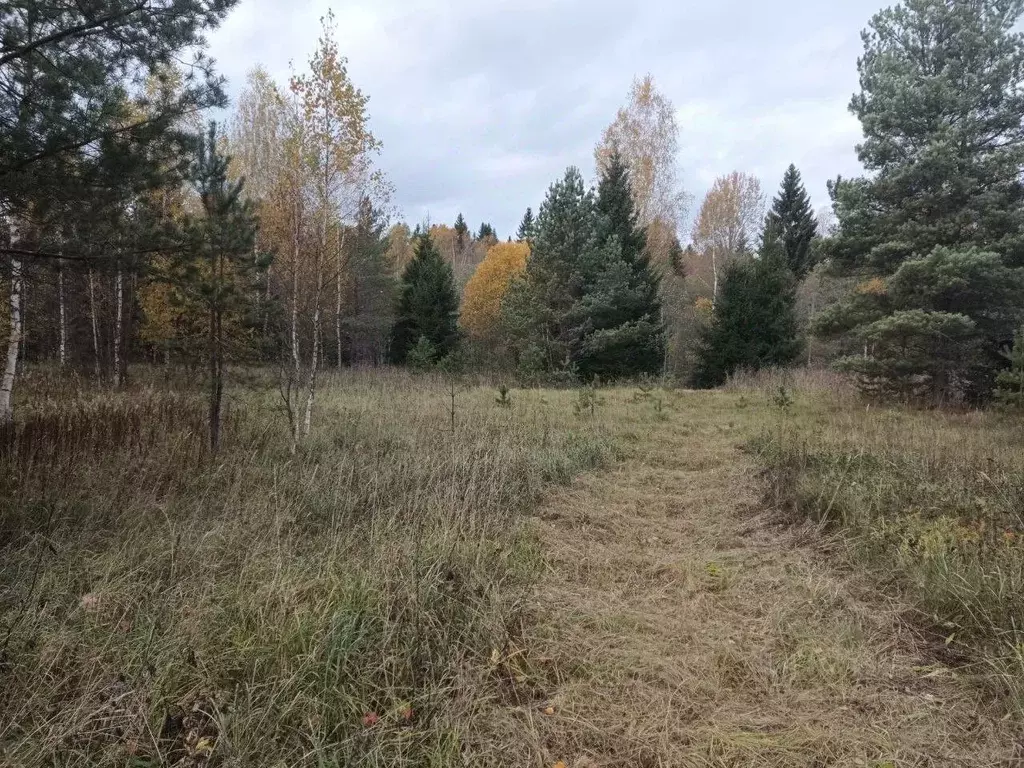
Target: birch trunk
(63, 346)
(714, 272)
(307, 419)
(118, 322)
(95, 325)
(337, 310)
(341, 269)
(13, 345)
(295, 291)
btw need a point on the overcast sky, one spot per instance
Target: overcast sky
(481, 104)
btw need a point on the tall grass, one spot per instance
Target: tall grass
(932, 503)
(335, 607)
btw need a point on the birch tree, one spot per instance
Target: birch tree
(645, 135)
(335, 152)
(729, 221)
(13, 343)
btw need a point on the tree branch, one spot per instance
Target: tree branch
(79, 30)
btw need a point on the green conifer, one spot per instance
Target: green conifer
(754, 324)
(620, 311)
(791, 220)
(944, 144)
(428, 305)
(526, 226)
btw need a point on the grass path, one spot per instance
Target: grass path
(677, 626)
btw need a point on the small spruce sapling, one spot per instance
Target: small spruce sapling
(782, 399)
(422, 356)
(504, 398)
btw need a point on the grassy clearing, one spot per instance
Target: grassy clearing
(930, 502)
(681, 625)
(338, 607)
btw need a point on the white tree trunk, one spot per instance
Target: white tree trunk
(337, 310)
(714, 272)
(118, 323)
(341, 269)
(95, 325)
(13, 345)
(62, 351)
(295, 293)
(307, 420)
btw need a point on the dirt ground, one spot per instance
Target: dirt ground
(680, 625)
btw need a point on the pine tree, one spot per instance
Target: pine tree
(526, 226)
(791, 219)
(75, 143)
(925, 327)
(461, 231)
(219, 265)
(79, 145)
(486, 231)
(944, 144)
(754, 324)
(428, 306)
(621, 307)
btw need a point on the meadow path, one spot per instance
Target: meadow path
(681, 627)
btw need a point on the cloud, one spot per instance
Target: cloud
(481, 105)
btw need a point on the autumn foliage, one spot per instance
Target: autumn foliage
(481, 303)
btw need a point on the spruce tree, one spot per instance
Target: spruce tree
(526, 226)
(486, 231)
(371, 287)
(1010, 383)
(754, 324)
(216, 272)
(944, 144)
(620, 311)
(536, 309)
(461, 231)
(791, 220)
(428, 306)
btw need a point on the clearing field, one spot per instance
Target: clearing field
(591, 577)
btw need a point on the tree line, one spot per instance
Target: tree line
(133, 232)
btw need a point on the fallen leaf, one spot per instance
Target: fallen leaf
(90, 601)
(549, 710)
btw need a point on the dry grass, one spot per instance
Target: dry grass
(932, 502)
(159, 607)
(401, 595)
(681, 626)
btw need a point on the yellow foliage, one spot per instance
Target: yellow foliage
(873, 287)
(444, 238)
(481, 303)
(704, 305)
(160, 314)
